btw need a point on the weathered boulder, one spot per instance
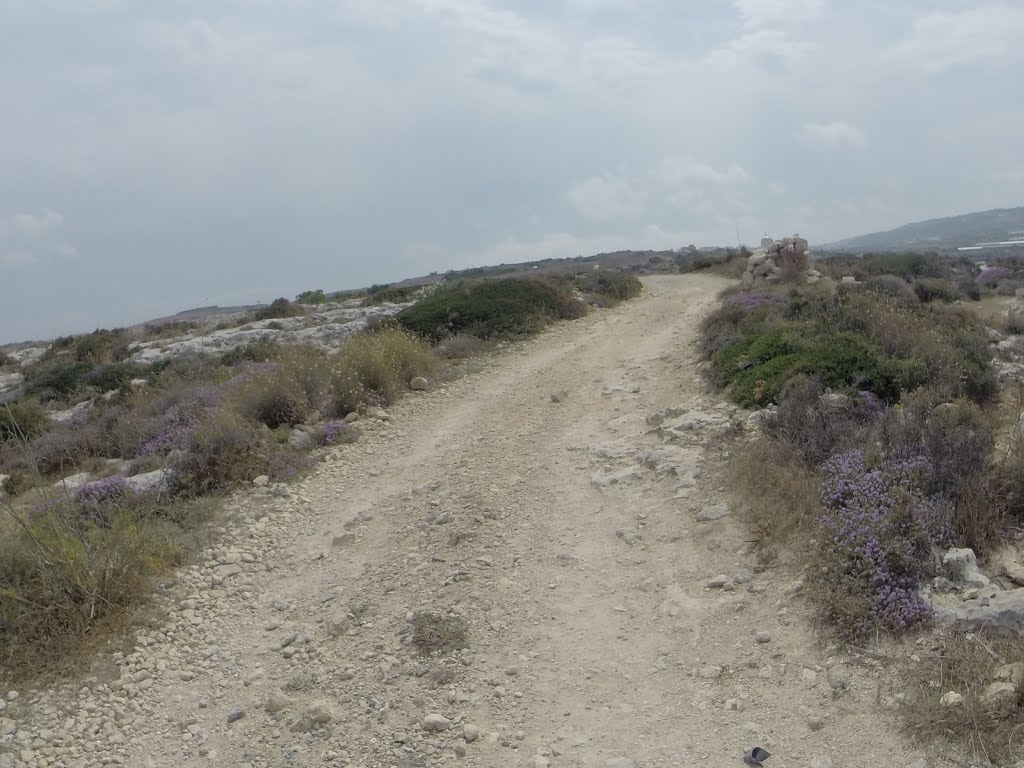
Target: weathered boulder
(961, 568)
(149, 482)
(1003, 609)
(302, 438)
(73, 482)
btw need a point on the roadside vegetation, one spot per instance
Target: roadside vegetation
(879, 410)
(109, 470)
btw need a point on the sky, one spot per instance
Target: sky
(157, 156)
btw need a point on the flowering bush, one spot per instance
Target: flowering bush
(879, 529)
(752, 301)
(991, 276)
(336, 432)
(105, 490)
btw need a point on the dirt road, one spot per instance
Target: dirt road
(570, 537)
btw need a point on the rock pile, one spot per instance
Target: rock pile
(791, 255)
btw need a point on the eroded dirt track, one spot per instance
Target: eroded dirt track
(568, 534)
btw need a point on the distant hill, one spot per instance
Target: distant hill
(941, 234)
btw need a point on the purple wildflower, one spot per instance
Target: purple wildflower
(113, 488)
(752, 301)
(991, 276)
(335, 432)
(880, 528)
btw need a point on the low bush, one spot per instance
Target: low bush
(259, 351)
(852, 340)
(221, 452)
(967, 663)
(777, 495)
(755, 368)
(311, 297)
(936, 289)
(808, 424)
(438, 633)
(491, 309)
(287, 393)
(278, 308)
(387, 294)
(56, 380)
(5, 360)
(612, 285)
(878, 528)
(22, 419)
(891, 285)
(373, 367)
(75, 569)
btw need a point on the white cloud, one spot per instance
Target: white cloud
(942, 40)
(17, 259)
(685, 171)
(833, 135)
(758, 13)
(606, 197)
(34, 224)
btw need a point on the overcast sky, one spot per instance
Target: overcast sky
(156, 156)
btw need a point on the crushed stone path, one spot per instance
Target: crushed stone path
(566, 502)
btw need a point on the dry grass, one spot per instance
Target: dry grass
(67, 585)
(438, 633)
(964, 662)
(376, 366)
(777, 495)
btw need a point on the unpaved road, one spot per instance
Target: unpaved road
(567, 536)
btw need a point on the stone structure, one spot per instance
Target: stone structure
(790, 256)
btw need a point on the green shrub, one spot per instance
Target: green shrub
(74, 571)
(276, 309)
(488, 309)
(104, 378)
(5, 359)
(259, 351)
(891, 285)
(936, 289)
(611, 284)
(854, 340)
(290, 392)
(374, 367)
(169, 329)
(222, 452)
(56, 380)
(311, 297)
(387, 294)
(22, 420)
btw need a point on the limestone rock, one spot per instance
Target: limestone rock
(149, 482)
(951, 699)
(436, 722)
(961, 567)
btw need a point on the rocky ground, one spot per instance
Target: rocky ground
(565, 503)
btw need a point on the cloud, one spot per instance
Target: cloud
(34, 224)
(17, 259)
(682, 171)
(606, 197)
(833, 135)
(759, 13)
(26, 238)
(282, 146)
(943, 40)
